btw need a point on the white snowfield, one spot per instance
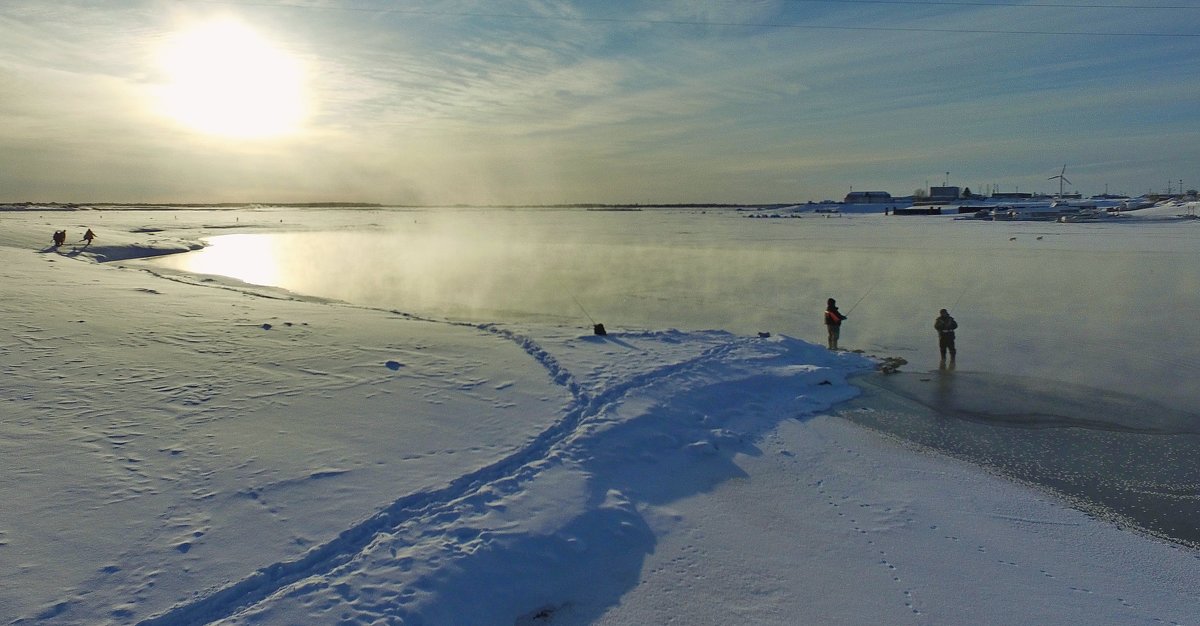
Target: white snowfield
(186, 450)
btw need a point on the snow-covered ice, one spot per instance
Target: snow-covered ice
(184, 449)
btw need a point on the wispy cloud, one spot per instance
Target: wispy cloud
(531, 101)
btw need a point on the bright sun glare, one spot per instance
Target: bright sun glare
(227, 80)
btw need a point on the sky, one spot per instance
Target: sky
(531, 102)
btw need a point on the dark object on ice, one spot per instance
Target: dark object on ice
(60, 237)
(891, 364)
(596, 327)
(393, 365)
(266, 326)
(764, 334)
(88, 237)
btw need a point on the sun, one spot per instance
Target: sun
(225, 79)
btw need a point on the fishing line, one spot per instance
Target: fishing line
(585, 313)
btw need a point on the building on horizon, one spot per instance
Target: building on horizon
(1011, 195)
(940, 195)
(868, 197)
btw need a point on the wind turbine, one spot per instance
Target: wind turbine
(1061, 179)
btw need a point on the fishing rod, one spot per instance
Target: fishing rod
(596, 328)
(960, 296)
(864, 296)
(585, 313)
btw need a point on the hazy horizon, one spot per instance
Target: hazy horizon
(355, 204)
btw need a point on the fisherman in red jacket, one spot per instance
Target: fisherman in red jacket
(833, 323)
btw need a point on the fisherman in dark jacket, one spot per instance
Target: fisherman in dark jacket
(945, 325)
(833, 323)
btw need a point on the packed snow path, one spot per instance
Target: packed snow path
(528, 529)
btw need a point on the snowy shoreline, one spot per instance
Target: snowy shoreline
(181, 454)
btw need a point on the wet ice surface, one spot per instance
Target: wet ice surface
(1036, 403)
(1119, 456)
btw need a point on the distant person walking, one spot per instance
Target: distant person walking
(833, 323)
(945, 326)
(60, 237)
(88, 237)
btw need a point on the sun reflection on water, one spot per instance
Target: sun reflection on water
(248, 258)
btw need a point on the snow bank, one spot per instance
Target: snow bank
(179, 451)
(187, 452)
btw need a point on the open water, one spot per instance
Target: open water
(1078, 343)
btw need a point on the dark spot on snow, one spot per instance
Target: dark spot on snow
(110, 569)
(54, 610)
(539, 616)
(266, 326)
(393, 365)
(184, 547)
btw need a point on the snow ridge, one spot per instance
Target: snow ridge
(420, 508)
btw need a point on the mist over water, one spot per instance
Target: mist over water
(1078, 343)
(1106, 305)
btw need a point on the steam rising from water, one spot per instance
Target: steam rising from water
(1105, 305)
